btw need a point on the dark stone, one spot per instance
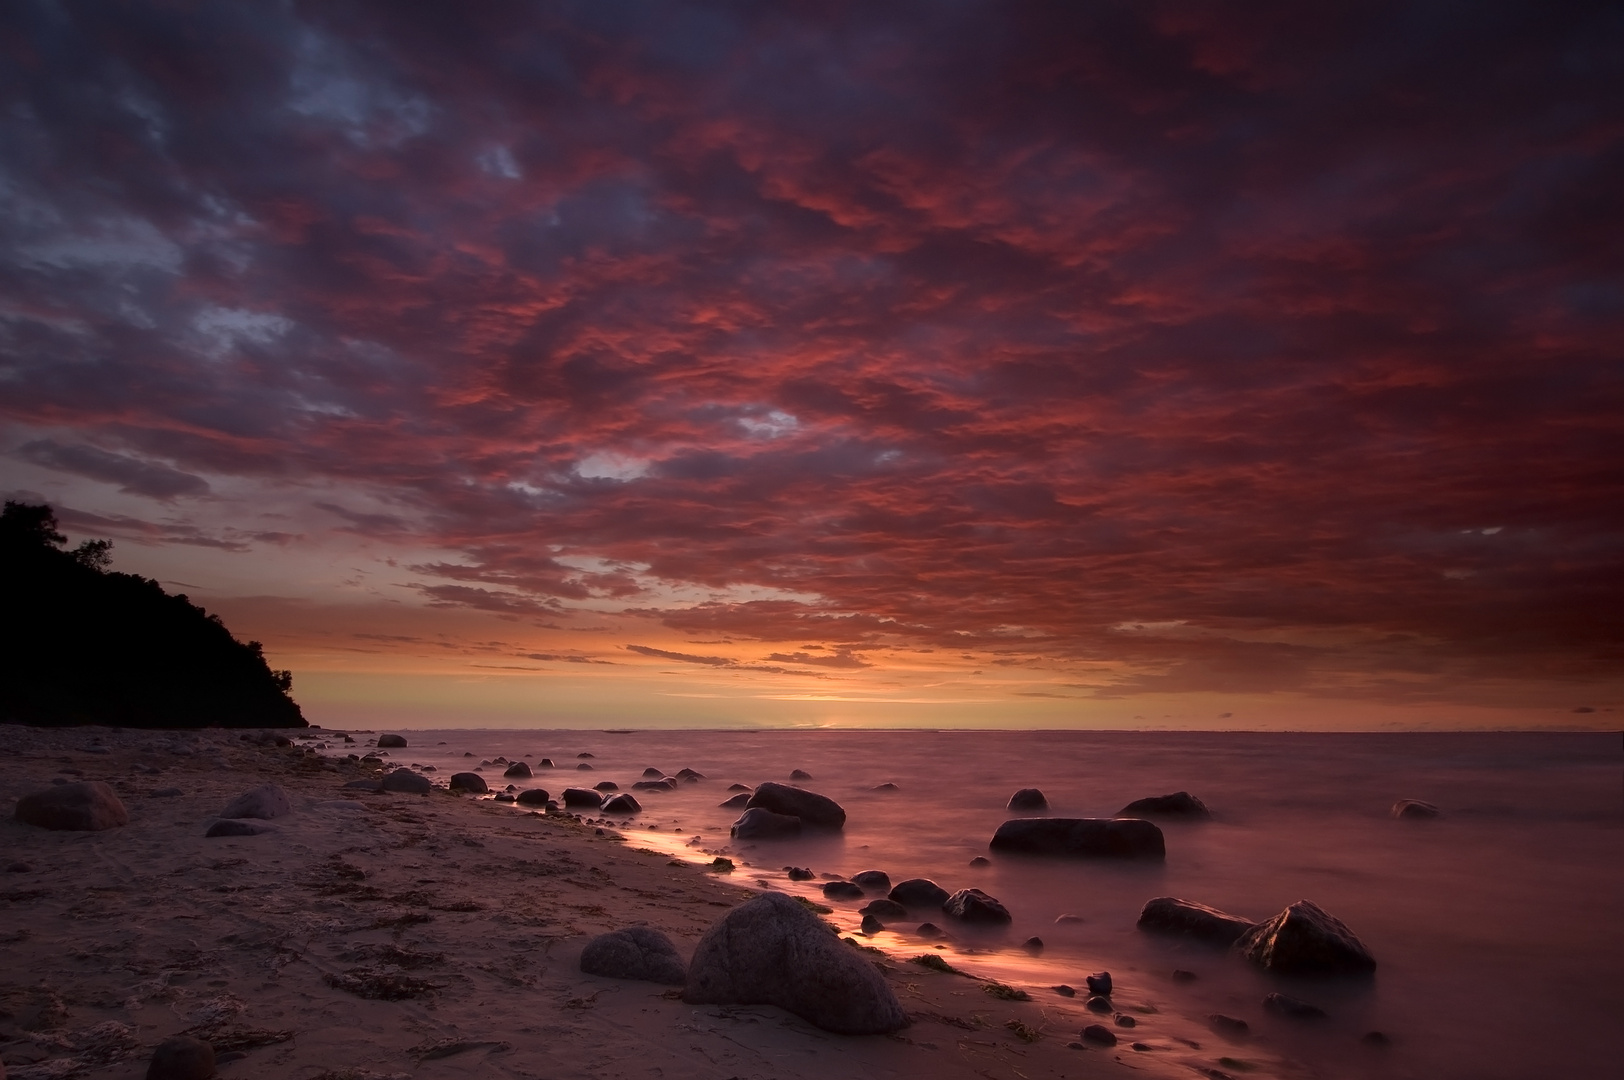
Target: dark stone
(651, 773)
(884, 909)
(871, 925)
(930, 930)
(181, 1057)
(690, 775)
(637, 952)
(264, 802)
(505, 797)
(585, 755)
(175, 792)
(1099, 1033)
(606, 785)
(1375, 1038)
(799, 873)
(1124, 1020)
(1033, 945)
(86, 806)
(758, 823)
(533, 797)
(404, 780)
(737, 802)
(1305, 940)
(1170, 915)
(584, 767)
(622, 804)
(545, 763)
(975, 906)
(739, 787)
(873, 880)
(1229, 1026)
(1178, 804)
(469, 781)
(887, 787)
(1295, 1008)
(1098, 1004)
(1066, 991)
(1119, 838)
(518, 771)
(1414, 810)
(579, 796)
(365, 785)
(1099, 983)
(232, 827)
(773, 951)
(19, 867)
(1180, 975)
(979, 861)
(1028, 798)
(394, 742)
(800, 774)
(654, 785)
(842, 890)
(918, 893)
(815, 811)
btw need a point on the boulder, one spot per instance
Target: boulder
(580, 796)
(975, 906)
(181, 1057)
(842, 890)
(772, 951)
(585, 754)
(545, 763)
(758, 823)
(884, 909)
(407, 781)
(815, 811)
(654, 785)
(233, 827)
(739, 787)
(518, 771)
(264, 802)
(1028, 798)
(373, 786)
(799, 873)
(930, 931)
(87, 806)
(470, 782)
(1414, 810)
(1119, 838)
(800, 774)
(873, 880)
(637, 952)
(391, 742)
(1170, 915)
(533, 797)
(622, 804)
(606, 785)
(1306, 940)
(690, 775)
(651, 773)
(1099, 983)
(1293, 1008)
(1178, 804)
(979, 861)
(737, 802)
(584, 767)
(918, 893)
(871, 925)
(1099, 1033)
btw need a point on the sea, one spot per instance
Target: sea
(1497, 927)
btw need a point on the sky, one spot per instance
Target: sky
(949, 363)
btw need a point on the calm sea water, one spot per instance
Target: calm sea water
(1498, 928)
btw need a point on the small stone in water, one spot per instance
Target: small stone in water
(1099, 1033)
(1180, 975)
(1098, 1004)
(1065, 991)
(1124, 1020)
(1100, 983)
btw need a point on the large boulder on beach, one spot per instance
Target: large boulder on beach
(1178, 804)
(533, 797)
(264, 802)
(975, 906)
(1170, 915)
(518, 771)
(758, 823)
(873, 880)
(87, 806)
(1118, 838)
(918, 893)
(637, 952)
(471, 782)
(773, 951)
(884, 908)
(391, 742)
(1414, 810)
(1304, 939)
(404, 780)
(580, 796)
(815, 811)
(622, 804)
(1028, 798)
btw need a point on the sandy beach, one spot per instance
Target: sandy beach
(394, 935)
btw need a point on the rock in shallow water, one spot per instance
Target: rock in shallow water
(842, 890)
(408, 782)
(873, 880)
(1178, 804)
(1295, 1008)
(586, 797)
(773, 951)
(517, 771)
(232, 827)
(533, 797)
(1099, 1033)
(1170, 915)
(884, 909)
(622, 804)
(919, 893)
(758, 823)
(1414, 810)
(264, 802)
(88, 806)
(1028, 798)
(470, 782)
(1306, 940)
(637, 952)
(1119, 838)
(181, 1057)
(815, 811)
(391, 742)
(975, 906)
(737, 802)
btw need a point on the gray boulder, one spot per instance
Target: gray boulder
(181, 1057)
(87, 806)
(975, 906)
(1170, 915)
(815, 811)
(773, 951)
(1178, 804)
(470, 782)
(1414, 810)
(404, 780)
(1119, 838)
(580, 796)
(1306, 940)
(518, 771)
(919, 893)
(533, 797)
(389, 742)
(264, 802)
(760, 824)
(637, 952)
(622, 804)
(1028, 798)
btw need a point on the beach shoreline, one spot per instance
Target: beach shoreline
(394, 935)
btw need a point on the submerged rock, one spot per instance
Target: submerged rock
(637, 952)
(1414, 810)
(1119, 838)
(404, 780)
(1230, 1026)
(975, 906)
(518, 771)
(871, 925)
(884, 909)
(919, 893)
(799, 873)
(842, 890)
(1306, 940)
(691, 776)
(606, 785)
(651, 773)
(264, 802)
(737, 802)
(470, 782)
(87, 806)
(1170, 915)
(622, 804)
(758, 823)
(1295, 1008)
(873, 880)
(579, 796)
(800, 774)
(815, 811)
(773, 951)
(1028, 798)
(1178, 804)
(1099, 1033)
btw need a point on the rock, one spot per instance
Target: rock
(637, 952)
(800, 774)
(799, 873)
(585, 754)
(1119, 838)
(168, 793)
(19, 867)
(654, 785)
(505, 797)
(404, 780)
(392, 742)
(1063, 920)
(918, 893)
(771, 950)
(469, 781)
(737, 802)
(622, 804)
(364, 785)
(1375, 1038)
(1124, 1020)
(884, 909)
(584, 767)
(979, 861)
(739, 787)
(1180, 975)
(181, 1057)
(1229, 1026)
(1170, 915)
(872, 880)
(606, 785)
(842, 890)
(232, 827)
(651, 773)
(815, 811)
(758, 823)
(533, 797)
(545, 763)
(1305, 940)
(1295, 1008)
(1178, 804)
(1097, 1003)
(690, 775)
(1028, 798)
(1414, 810)
(930, 930)
(1033, 945)
(975, 906)
(871, 925)
(886, 787)
(1065, 991)
(1099, 1033)
(518, 771)
(86, 806)
(577, 796)
(1099, 983)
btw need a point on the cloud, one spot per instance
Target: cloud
(132, 475)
